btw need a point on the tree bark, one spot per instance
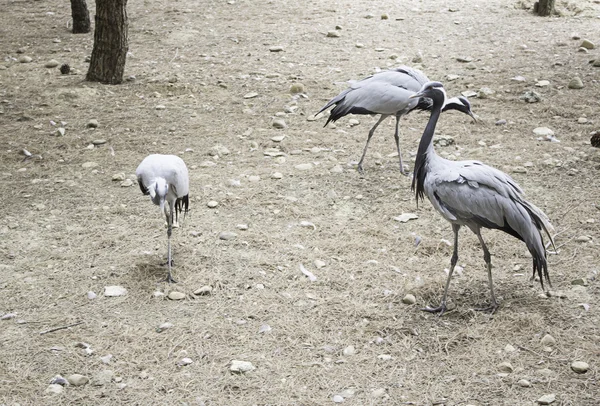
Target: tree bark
(81, 17)
(544, 8)
(109, 54)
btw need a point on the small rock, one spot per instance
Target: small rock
(575, 83)
(485, 92)
(25, 59)
(250, 95)
(353, 122)
(583, 238)
(575, 36)
(547, 399)
(580, 367)
(113, 291)
(60, 132)
(219, 150)
(579, 282)
(106, 359)
(377, 393)
(212, 204)
(524, 383)
(279, 123)
(119, 177)
(174, 295)
(163, 327)
(337, 399)
(509, 348)
(583, 50)
(543, 131)
(241, 366)
(349, 350)
(253, 178)
(227, 235)
(276, 48)
(241, 226)
(501, 122)
(409, 299)
(88, 165)
(548, 340)
(586, 43)
(543, 83)
(519, 169)
(518, 79)
(93, 123)
(185, 361)
(278, 138)
(582, 120)
(203, 291)
(91, 295)
(331, 34)
(319, 264)
(505, 367)
(102, 378)
(384, 357)
(99, 141)
(469, 93)
(127, 183)
(265, 328)
(359, 45)
(52, 63)
(77, 379)
(405, 217)
(531, 96)
(296, 88)
(54, 388)
(277, 175)
(385, 16)
(464, 59)
(304, 167)
(160, 107)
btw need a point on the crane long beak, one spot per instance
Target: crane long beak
(414, 96)
(474, 116)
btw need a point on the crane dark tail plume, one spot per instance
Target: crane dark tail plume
(182, 204)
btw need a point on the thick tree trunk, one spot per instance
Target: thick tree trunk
(81, 17)
(544, 7)
(107, 64)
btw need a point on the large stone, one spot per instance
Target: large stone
(241, 366)
(78, 379)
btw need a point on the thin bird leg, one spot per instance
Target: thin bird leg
(488, 261)
(442, 307)
(169, 231)
(397, 138)
(362, 158)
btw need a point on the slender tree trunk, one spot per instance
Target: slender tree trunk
(544, 7)
(107, 64)
(81, 17)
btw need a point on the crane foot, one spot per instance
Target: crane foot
(441, 309)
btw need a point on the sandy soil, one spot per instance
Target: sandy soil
(67, 228)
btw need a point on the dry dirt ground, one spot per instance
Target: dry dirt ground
(68, 228)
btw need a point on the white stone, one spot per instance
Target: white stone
(304, 167)
(112, 291)
(77, 379)
(54, 388)
(174, 295)
(543, 131)
(409, 299)
(547, 399)
(580, 367)
(203, 291)
(241, 366)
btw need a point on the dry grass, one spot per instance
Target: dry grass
(66, 230)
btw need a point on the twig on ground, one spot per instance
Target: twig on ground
(60, 328)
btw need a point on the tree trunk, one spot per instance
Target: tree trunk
(544, 7)
(81, 17)
(110, 42)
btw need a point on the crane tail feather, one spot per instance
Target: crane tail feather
(182, 204)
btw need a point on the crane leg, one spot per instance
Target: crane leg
(442, 307)
(169, 257)
(488, 261)
(371, 132)
(397, 139)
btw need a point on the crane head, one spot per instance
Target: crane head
(158, 192)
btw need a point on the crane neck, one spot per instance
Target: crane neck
(426, 149)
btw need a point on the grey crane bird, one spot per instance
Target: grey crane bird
(388, 94)
(165, 178)
(472, 194)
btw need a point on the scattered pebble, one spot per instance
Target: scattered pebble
(296, 88)
(93, 123)
(127, 183)
(501, 122)
(174, 295)
(160, 107)
(331, 34)
(509, 348)
(241, 366)
(250, 95)
(505, 367)
(99, 141)
(203, 291)
(227, 235)
(547, 399)
(304, 167)
(531, 96)
(118, 177)
(77, 379)
(319, 264)
(543, 131)
(376, 393)
(583, 238)
(485, 92)
(8, 316)
(253, 178)
(219, 150)
(212, 204)
(409, 299)
(524, 383)
(519, 169)
(52, 63)
(384, 357)
(583, 50)
(385, 16)
(277, 175)
(548, 340)
(60, 131)
(469, 93)
(163, 327)
(405, 217)
(54, 389)
(580, 367)
(184, 362)
(278, 138)
(113, 291)
(575, 36)
(575, 83)
(464, 59)
(353, 122)
(242, 227)
(91, 295)
(586, 43)
(276, 48)
(265, 328)
(279, 123)
(25, 59)
(349, 350)
(337, 399)
(106, 359)
(88, 165)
